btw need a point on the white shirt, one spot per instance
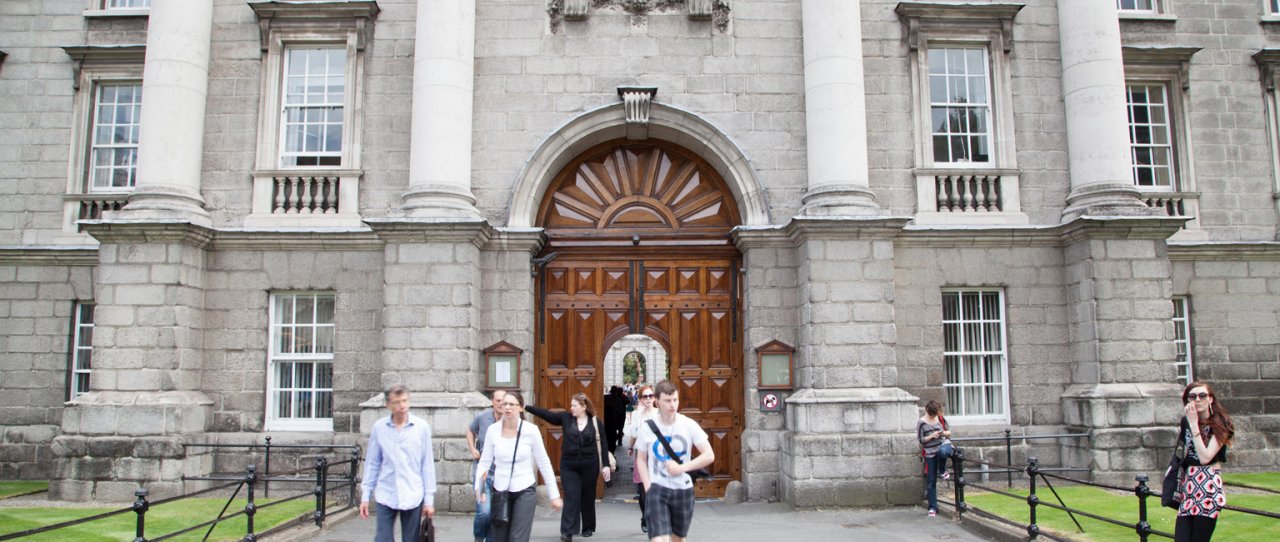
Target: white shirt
(400, 465)
(684, 435)
(500, 451)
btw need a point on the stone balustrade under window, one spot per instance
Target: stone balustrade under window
(968, 197)
(326, 198)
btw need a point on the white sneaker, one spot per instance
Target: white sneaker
(932, 512)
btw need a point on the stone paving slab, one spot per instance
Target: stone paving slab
(713, 522)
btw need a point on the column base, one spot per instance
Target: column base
(439, 201)
(1106, 199)
(114, 442)
(1131, 427)
(159, 203)
(840, 201)
(449, 414)
(850, 447)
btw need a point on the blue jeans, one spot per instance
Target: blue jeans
(410, 522)
(934, 467)
(480, 527)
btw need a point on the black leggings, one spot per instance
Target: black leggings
(1194, 528)
(579, 478)
(640, 492)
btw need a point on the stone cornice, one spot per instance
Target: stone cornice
(287, 240)
(979, 236)
(148, 231)
(49, 255)
(802, 228)
(933, 15)
(407, 230)
(1220, 251)
(277, 14)
(1106, 227)
(530, 240)
(749, 237)
(1268, 60)
(103, 56)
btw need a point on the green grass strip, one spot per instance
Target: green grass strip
(1232, 526)
(22, 487)
(160, 520)
(1269, 481)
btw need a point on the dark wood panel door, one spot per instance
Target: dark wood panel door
(688, 305)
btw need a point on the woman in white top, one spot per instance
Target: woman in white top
(514, 470)
(645, 409)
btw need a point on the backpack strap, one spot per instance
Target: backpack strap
(665, 444)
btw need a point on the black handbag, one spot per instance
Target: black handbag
(500, 508)
(1171, 491)
(695, 474)
(428, 531)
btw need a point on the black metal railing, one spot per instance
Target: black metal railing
(1033, 471)
(1008, 439)
(323, 485)
(267, 476)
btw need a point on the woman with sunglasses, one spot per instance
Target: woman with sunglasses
(645, 409)
(1206, 431)
(515, 446)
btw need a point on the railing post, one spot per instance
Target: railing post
(140, 506)
(322, 469)
(1144, 528)
(1033, 530)
(1008, 454)
(250, 508)
(957, 465)
(351, 477)
(266, 474)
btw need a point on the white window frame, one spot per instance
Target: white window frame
(81, 362)
(126, 4)
(94, 67)
(1136, 6)
(1170, 67)
(283, 152)
(949, 76)
(275, 357)
(1184, 364)
(957, 408)
(1168, 129)
(117, 8)
(96, 122)
(1161, 10)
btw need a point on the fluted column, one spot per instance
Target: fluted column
(835, 110)
(440, 140)
(1093, 89)
(175, 81)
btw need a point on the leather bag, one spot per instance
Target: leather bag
(1171, 490)
(500, 508)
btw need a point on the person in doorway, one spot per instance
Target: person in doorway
(512, 448)
(644, 410)
(399, 470)
(475, 441)
(1207, 430)
(615, 416)
(934, 435)
(666, 480)
(581, 454)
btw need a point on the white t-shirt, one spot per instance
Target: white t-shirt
(684, 435)
(499, 451)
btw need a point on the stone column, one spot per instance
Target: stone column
(440, 138)
(175, 81)
(835, 110)
(1093, 89)
(1120, 318)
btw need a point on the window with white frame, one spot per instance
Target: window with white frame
(81, 365)
(1273, 7)
(314, 99)
(1182, 338)
(300, 368)
(1139, 6)
(1150, 136)
(960, 104)
(974, 354)
(113, 142)
(126, 4)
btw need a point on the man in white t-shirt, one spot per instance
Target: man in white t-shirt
(668, 486)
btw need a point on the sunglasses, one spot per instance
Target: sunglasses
(647, 396)
(1198, 396)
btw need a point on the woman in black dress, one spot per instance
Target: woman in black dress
(580, 463)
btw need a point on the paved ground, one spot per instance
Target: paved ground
(713, 522)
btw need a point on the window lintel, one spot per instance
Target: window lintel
(355, 14)
(103, 56)
(1268, 60)
(1146, 60)
(951, 16)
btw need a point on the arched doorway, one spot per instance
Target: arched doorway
(638, 243)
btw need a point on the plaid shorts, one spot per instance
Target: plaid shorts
(668, 511)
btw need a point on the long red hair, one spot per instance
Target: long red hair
(1219, 420)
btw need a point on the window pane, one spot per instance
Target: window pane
(974, 357)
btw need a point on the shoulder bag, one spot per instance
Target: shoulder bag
(695, 474)
(613, 465)
(500, 509)
(1171, 490)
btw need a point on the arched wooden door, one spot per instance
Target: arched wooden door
(640, 232)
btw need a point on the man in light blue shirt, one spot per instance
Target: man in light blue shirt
(399, 470)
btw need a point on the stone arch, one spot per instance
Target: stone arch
(666, 123)
(654, 353)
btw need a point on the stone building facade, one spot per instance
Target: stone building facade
(223, 219)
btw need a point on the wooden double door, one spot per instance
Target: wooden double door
(688, 305)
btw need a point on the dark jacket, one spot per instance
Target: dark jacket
(575, 445)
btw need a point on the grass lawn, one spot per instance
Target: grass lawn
(22, 487)
(1232, 526)
(162, 519)
(1259, 480)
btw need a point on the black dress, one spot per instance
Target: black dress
(579, 469)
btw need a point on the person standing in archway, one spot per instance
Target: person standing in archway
(615, 417)
(665, 466)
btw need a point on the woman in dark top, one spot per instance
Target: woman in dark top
(1206, 431)
(579, 463)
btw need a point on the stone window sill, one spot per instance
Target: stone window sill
(1148, 17)
(115, 13)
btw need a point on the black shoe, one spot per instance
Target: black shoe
(566, 538)
(644, 527)
(587, 534)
